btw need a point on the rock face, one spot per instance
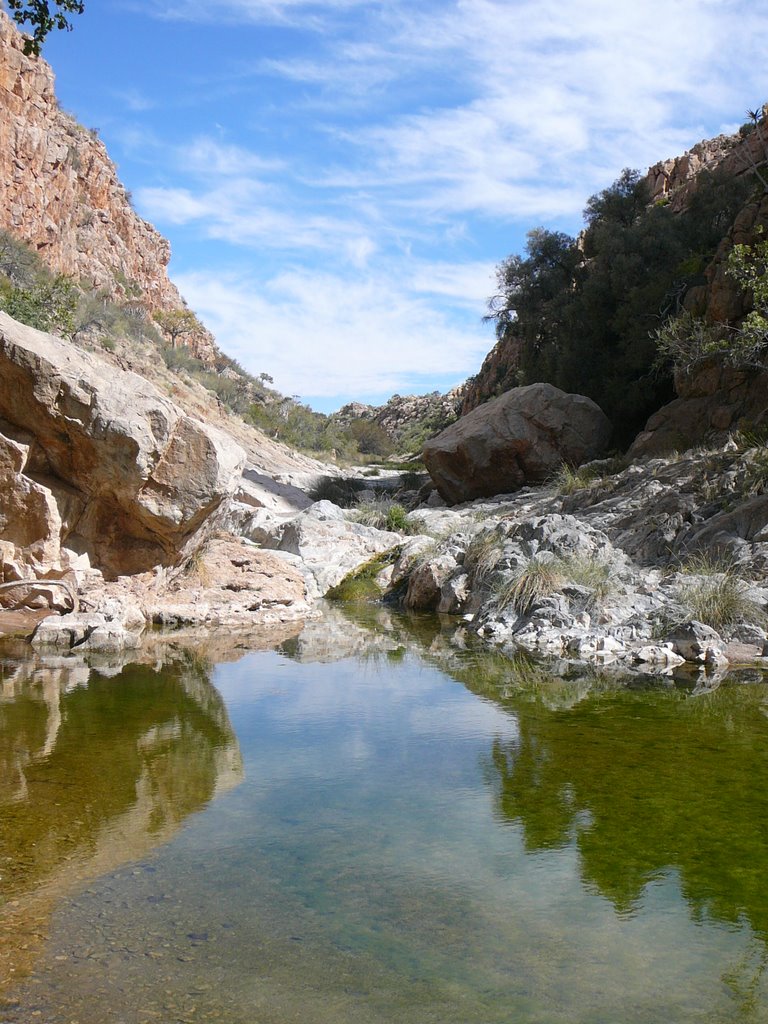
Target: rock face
(520, 437)
(714, 398)
(328, 546)
(712, 401)
(60, 193)
(99, 461)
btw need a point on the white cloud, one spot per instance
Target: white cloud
(325, 334)
(443, 121)
(235, 212)
(208, 157)
(311, 12)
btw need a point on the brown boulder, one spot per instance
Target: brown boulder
(521, 437)
(131, 478)
(714, 400)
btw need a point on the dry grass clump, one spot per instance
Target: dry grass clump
(717, 595)
(482, 554)
(756, 476)
(540, 578)
(529, 584)
(570, 479)
(591, 572)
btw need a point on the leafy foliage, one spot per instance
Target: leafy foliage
(686, 340)
(582, 313)
(43, 16)
(177, 324)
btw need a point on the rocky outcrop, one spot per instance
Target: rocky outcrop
(713, 400)
(520, 437)
(404, 417)
(96, 461)
(325, 545)
(60, 194)
(734, 155)
(617, 572)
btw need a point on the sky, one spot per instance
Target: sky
(339, 179)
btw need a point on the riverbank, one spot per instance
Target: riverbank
(658, 566)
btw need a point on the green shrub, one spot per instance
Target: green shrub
(48, 304)
(369, 437)
(397, 519)
(340, 490)
(384, 514)
(360, 585)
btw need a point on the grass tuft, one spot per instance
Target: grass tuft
(717, 595)
(482, 554)
(528, 585)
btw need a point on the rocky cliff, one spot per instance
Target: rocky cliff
(407, 420)
(60, 193)
(700, 283)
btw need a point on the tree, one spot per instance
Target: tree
(42, 16)
(687, 340)
(177, 324)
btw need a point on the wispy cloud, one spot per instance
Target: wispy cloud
(402, 136)
(312, 12)
(329, 335)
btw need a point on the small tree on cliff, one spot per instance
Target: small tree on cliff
(177, 324)
(42, 16)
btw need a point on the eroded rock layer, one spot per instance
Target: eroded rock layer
(99, 461)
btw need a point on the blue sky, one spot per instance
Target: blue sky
(340, 178)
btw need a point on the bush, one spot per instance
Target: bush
(48, 305)
(384, 514)
(340, 490)
(717, 595)
(369, 437)
(528, 585)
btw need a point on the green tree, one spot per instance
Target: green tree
(583, 315)
(687, 340)
(177, 324)
(42, 16)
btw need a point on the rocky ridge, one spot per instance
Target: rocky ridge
(716, 296)
(404, 417)
(60, 193)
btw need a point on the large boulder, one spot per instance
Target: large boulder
(521, 437)
(98, 460)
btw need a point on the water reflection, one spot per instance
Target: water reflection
(97, 769)
(646, 775)
(427, 832)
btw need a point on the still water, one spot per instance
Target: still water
(373, 826)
